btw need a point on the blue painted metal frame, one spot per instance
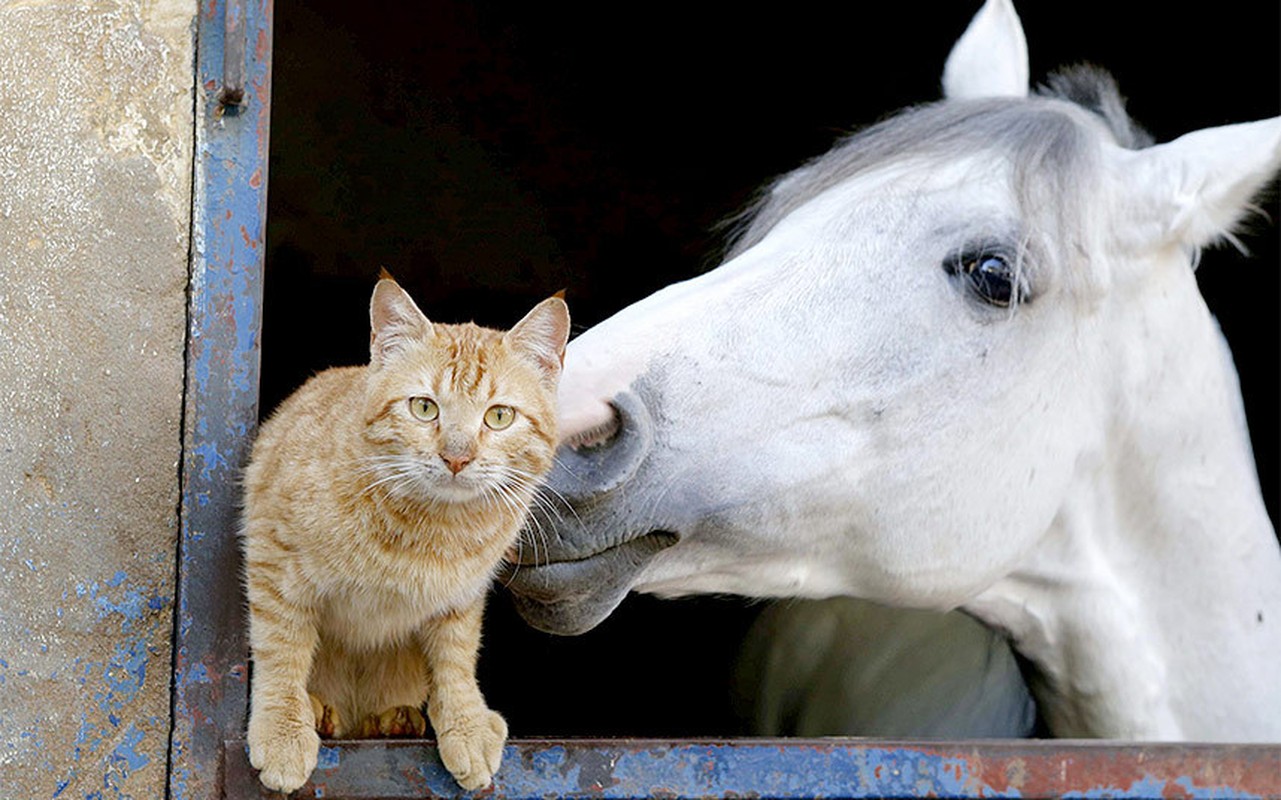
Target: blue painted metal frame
(210, 675)
(383, 770)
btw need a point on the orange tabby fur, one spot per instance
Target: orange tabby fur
(371, 535)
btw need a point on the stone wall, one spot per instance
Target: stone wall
(95, 194)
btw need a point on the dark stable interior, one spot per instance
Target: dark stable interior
(489, 155)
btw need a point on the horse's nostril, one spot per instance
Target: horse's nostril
(596, 436)
(607, 455)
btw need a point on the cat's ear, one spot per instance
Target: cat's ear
(394, 321)
(542, 335)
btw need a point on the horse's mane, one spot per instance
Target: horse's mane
(1095, 89)
(1036, 137)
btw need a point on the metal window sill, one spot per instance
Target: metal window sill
(838, 767)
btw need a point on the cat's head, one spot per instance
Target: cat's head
(460, 413)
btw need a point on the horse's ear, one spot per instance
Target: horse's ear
(394, 321)
(990, 58)
(1194, 189)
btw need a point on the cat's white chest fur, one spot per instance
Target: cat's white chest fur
(373, 613)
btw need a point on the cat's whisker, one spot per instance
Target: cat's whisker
(543, 489)
(533, 527)
(389, 469)
(536, 529)
(536, 499)
(508, 475)
(377, 463)
(384, 479)
(535, 486)
(536, 533)
(546, 511)
(398, 481)
(533, 524)
(540, 512)
(500, 490)
(548, 494)
(512, 502)
(547, 552)
(507, 581)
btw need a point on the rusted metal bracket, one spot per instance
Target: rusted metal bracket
(235, 38)
(624, 768)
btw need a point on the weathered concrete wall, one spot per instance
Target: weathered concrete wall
(95, 166)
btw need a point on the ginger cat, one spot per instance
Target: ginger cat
(379, 501)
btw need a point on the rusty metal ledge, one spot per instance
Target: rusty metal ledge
(624, 768)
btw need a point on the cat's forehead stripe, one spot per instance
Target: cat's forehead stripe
(468, 368)
(468, 361)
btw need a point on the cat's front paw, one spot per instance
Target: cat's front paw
(284, 752)
(472, 748)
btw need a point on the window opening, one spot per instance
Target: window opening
(487, 157)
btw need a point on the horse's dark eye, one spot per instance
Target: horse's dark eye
(990, 277)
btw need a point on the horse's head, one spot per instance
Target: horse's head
(915, 344)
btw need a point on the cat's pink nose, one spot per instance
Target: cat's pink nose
(455, 463)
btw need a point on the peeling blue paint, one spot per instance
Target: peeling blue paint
(328, 758)
(124, 675)
(134, 604)
(211, 460)
(197, 674)
(863, 772)
(126, 752)
(106, 743)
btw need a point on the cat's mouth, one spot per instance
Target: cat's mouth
(572, 597)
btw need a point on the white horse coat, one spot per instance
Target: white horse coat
(958, 362)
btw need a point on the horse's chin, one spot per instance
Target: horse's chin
(572, 597)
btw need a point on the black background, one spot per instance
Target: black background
(489, 155)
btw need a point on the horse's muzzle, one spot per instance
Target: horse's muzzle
(585, 549)
(572, 597)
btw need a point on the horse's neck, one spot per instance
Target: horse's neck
(1153, 605)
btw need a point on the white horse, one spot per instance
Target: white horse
(958, 362)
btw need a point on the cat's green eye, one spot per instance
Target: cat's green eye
(424, 409)
(499, 417)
